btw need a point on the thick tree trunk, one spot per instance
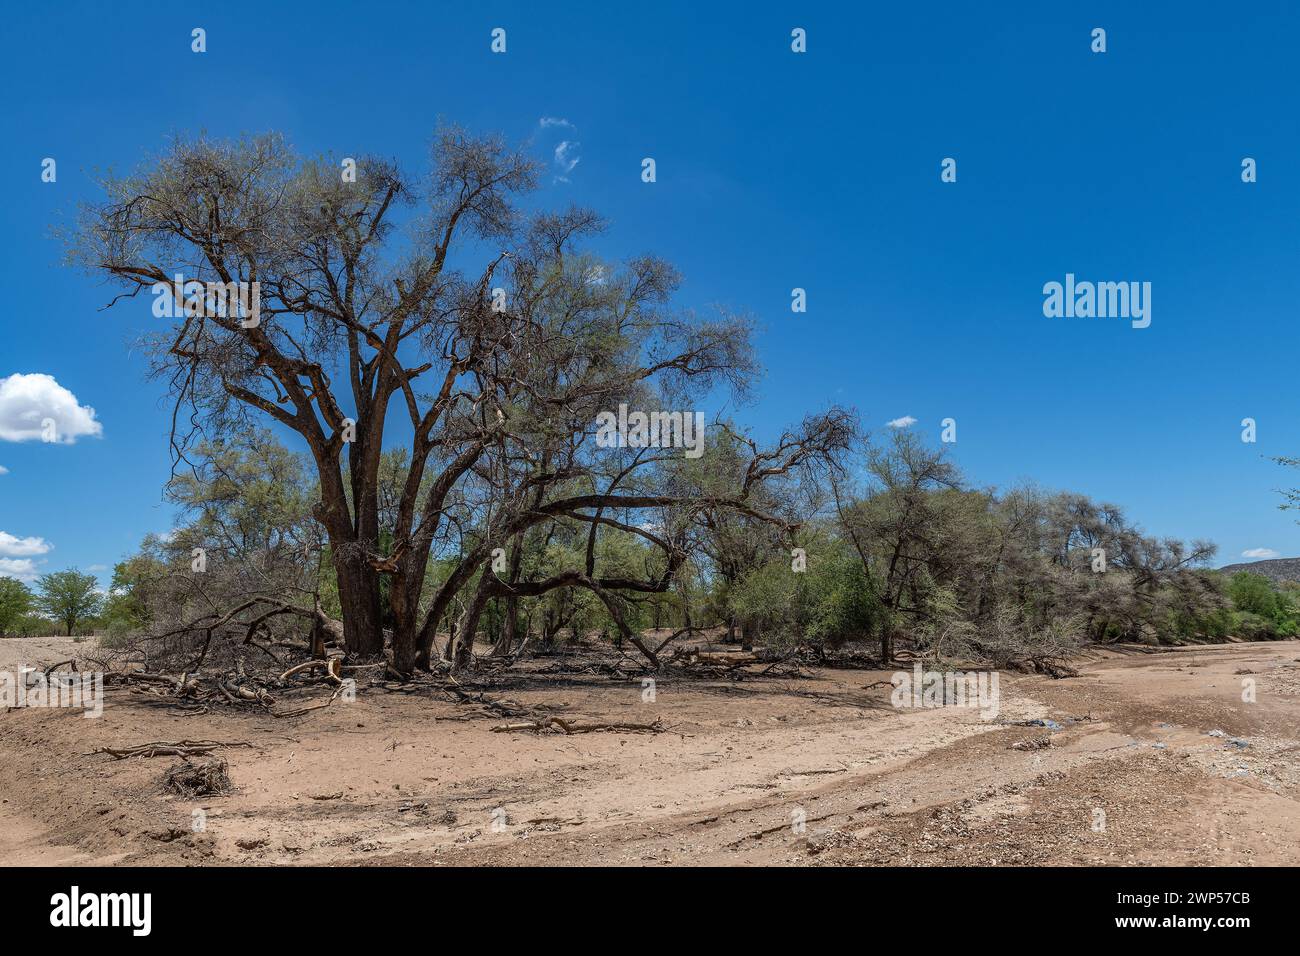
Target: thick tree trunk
(404, 602)
(359, 597)
(405, 651)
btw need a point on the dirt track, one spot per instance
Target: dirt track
(407, 779)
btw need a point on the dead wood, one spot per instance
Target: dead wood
(321, 705)
(204, 778)
(166, 748)
(1053, 667)
(235, 689)
(53, 667)
(654, 727)
(501, 708)
(759, 834)
(331, 669)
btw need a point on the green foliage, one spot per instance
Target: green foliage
(34, 625)
(248, 494)
(827, 603)
(841, 605)
(15, 602)
(126, 607)
(1261, 610)
(69, 597)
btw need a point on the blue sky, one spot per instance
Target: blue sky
(775, 170)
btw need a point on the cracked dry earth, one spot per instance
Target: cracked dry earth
(1157, 760)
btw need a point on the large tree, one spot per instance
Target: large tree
(69, 597)
(375, 328)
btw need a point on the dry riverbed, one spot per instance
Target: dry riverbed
(1145, 758)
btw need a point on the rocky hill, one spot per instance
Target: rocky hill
(1278, 569)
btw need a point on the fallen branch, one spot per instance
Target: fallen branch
(165, 748)
(654, 727)
(53, 667)
(331, 669)
(767, 831)
(310, 707)
(503, 708)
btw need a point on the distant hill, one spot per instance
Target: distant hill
(1278, 569)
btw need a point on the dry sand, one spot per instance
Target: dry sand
(411, 778)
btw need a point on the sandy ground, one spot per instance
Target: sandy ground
(807, 770)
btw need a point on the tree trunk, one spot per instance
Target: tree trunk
(510, 605)
(461, 647)
(441, 603)
(405, 652)
(509, 628)
(406, 625)
(359, 598)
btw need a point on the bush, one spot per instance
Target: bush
(1252, 627)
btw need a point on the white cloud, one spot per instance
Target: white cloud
(16, 556)
(96, 568)
(566, 158)
(1260, 553)
(24, 569)
(26, 401)
(902, 422)
(3, 470)
(14, 547)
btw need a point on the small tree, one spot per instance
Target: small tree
(15, 601)
(68, 596)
